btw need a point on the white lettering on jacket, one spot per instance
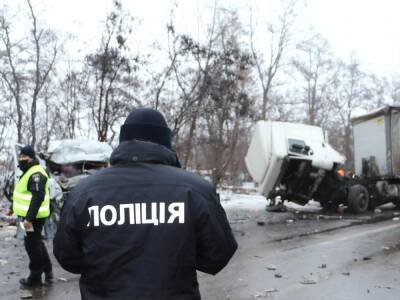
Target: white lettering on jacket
(136, 214)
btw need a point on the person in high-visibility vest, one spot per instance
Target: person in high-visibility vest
(31, 201)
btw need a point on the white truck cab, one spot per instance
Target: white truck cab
(273, 143)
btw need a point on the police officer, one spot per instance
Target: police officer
(31, 201)
(141, 228)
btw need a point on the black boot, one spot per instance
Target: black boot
(30, 282)
(49, 277)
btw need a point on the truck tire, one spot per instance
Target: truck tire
(358, 199)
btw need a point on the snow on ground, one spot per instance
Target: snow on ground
(311, 206)
(253, 201)
(231, 200)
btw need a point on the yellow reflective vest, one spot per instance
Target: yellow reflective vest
(22, 196)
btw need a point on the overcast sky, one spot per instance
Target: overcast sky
(367, 28)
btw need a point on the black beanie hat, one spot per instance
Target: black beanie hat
(146, 124)
(29, 151)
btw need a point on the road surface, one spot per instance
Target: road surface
(281, 256)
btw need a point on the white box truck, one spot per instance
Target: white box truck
(377, 154)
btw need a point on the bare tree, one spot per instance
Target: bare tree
(315, 65)
(228, 104)
(67, 105)
(10, 72)
(27, 64)
(395, 89)
(5, 120)
(350, 93)
(71, 105)
(380, 91)
(189, 63)
(193, 84)
(42, 40)
(110, 73)
(284, 107)
(279, 39)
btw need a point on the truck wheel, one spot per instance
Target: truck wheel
(358, 198)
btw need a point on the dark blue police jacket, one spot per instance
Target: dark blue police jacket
(141, 228)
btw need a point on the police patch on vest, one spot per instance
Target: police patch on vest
(137, 213)
(36, 178)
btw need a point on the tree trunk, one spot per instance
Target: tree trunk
(19, 119)
(33, 120)
(348, 148)
(189, 142)
(264, 105)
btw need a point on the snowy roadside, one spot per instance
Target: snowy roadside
(232, 200)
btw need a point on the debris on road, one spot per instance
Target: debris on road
(377, 211)
(385, 248)
(3, 262)
(325, 217)
(271, 268)
(346, 273)
(323, 266)
(62, 279)
(366, 258)
(26, 295)
(265, 293)
(259, 295)
(383, 287)
(308, 281)
(277, 275)
(260, 223)
(396, 219)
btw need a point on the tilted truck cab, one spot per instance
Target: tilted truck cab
(292, 161)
